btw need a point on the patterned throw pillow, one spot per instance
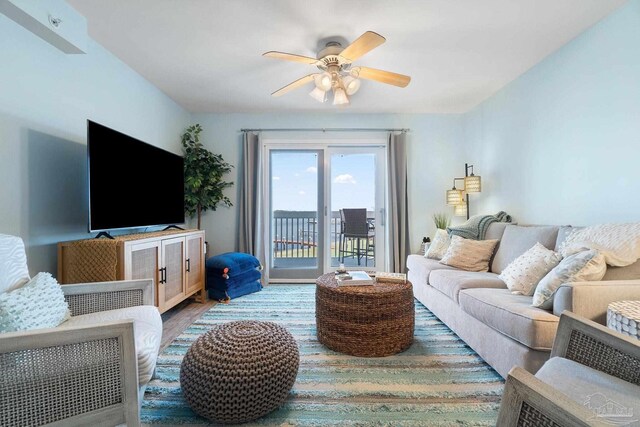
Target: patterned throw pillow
(584, 266)
(439, 246)
(523, 273)
(37, 304)
(470, 255)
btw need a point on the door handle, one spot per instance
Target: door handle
(163, 275)
(188, 265)
(382, 217)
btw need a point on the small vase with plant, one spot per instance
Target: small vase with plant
(203, 176)
(442, 221)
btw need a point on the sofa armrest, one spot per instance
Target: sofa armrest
(85, 298)
(597, 347)
(72, 376)
(529, 402)
(591, 299)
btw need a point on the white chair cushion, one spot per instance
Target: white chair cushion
(147, 326)
(596, 390)
(13, 263)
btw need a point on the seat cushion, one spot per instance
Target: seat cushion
(517, 239)
(147, 329)
(511, 315)
(421, 267)
(596, 390)
(451, 282)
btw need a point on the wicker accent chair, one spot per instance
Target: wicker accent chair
(93, 368)
(592, 379)
(355, 227)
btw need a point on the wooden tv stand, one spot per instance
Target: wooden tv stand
(174, 259)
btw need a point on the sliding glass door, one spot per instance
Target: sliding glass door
(326, 208)
(357, 204)
(296, 195)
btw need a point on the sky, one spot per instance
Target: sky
(294, 178)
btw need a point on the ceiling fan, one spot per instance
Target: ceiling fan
(337, 73)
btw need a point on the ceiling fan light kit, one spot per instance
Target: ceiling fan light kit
(318, 94)
(337, 74)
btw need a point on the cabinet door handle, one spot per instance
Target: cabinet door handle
(188, 265)
(163, 275)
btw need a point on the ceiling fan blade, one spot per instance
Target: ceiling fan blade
(294, 85)
(362, 45)
(382, 76)
(290, 57)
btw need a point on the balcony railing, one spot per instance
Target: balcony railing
(296, 233)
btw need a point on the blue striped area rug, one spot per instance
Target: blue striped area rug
(439, 381)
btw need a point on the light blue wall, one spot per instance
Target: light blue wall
(561, 144)
(45, 99)
(434, 143)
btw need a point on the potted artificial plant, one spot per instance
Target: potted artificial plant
(203, 176)
(442, 221)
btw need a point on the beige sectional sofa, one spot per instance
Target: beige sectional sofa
(503, 328)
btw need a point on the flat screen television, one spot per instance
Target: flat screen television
(131, 183)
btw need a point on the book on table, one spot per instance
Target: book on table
(354, 278)
(382, 276)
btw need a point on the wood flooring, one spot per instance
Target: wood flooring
(177, 319)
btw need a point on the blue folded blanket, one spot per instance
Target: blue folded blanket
(236, 262)
(235, 292)
(217, 281)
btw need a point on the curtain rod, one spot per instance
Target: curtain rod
(328, 130)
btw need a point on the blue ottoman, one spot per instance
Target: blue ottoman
(233, 274)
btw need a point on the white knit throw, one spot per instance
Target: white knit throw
(619, 243)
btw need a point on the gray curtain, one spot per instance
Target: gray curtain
(250, 206)
(398, 202)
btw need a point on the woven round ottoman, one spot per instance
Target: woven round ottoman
(366, 321)
(239, 371)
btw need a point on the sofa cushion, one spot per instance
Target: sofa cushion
(421, 267)
(584, 266)
(511, 315)
(451, 282)
(524, 272)
(496, 230)
(629, 272)
(517, 239)
(468, 254)
(592, 388)
(439, 246)
(147, 330)
(563, 232)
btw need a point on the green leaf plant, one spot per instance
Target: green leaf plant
(203, 176)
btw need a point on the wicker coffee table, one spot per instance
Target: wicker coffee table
(369, 321)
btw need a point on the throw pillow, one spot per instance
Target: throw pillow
(37, 304)
(584, 266)
(523, 273)
(470, 255)
(439, 246)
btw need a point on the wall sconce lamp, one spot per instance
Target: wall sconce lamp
(459, 199)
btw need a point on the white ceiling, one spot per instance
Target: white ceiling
(206, 54)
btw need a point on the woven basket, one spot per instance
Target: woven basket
(368, 321)
(239, 371)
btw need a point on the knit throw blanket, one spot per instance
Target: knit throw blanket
(619, 243)
(476, 227)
